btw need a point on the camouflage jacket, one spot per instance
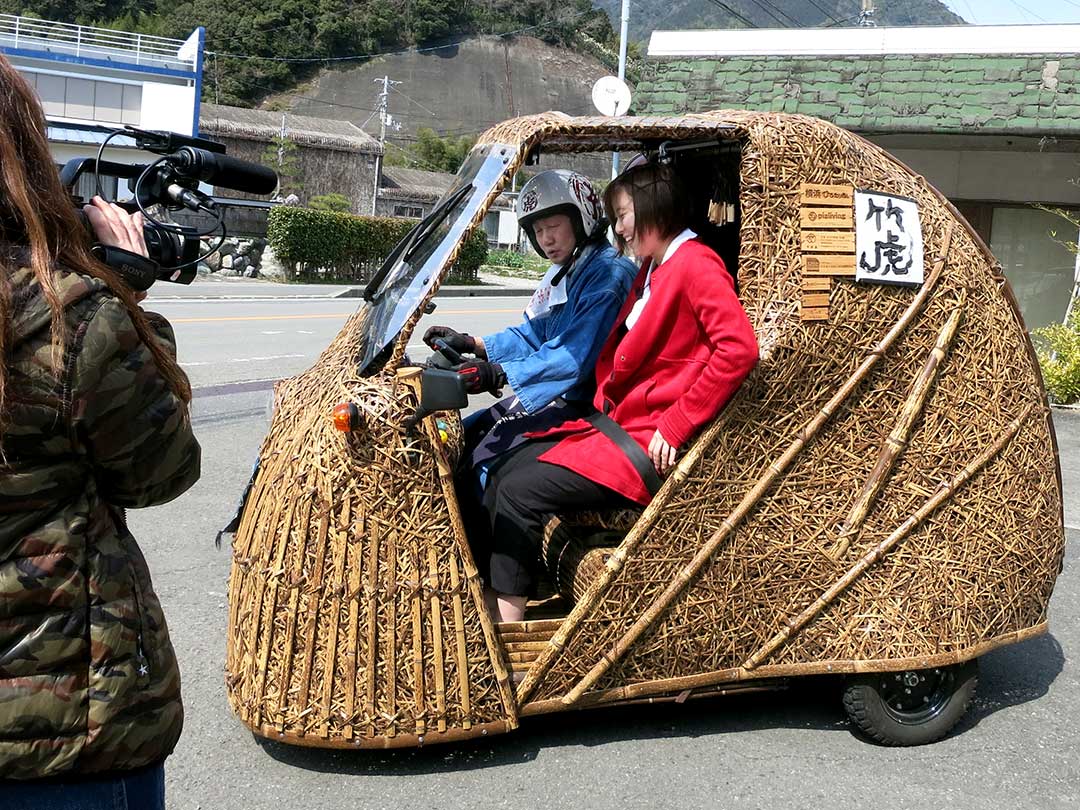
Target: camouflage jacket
(88, 677)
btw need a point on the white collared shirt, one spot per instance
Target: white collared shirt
(639, 305)
(547, 295)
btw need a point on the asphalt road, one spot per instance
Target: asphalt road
(1017, 748)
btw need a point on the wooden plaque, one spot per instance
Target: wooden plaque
(827, 217)
(816, 284)
(814, 194)
(815, 300)
(829, 265)
(829, 242)
(814, 314)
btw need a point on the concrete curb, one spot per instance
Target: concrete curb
(352, 292)
(477, 291)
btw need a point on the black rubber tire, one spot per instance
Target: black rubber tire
(911, 708)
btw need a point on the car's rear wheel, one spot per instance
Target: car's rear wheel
(914, 707)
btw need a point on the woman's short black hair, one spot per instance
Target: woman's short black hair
(659, 197)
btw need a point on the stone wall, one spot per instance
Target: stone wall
(322, 170)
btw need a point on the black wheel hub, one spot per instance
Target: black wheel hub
(917, 695)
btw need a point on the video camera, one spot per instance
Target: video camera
(172, 183)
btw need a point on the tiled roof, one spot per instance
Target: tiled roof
(413, 184)
(892, 93)
(263, 125)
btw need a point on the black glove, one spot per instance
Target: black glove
(480, 376)
(458, 341)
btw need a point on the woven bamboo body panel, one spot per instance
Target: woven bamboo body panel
(978, 568)
(354, 616)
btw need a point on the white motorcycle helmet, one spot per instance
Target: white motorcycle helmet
(560, 191)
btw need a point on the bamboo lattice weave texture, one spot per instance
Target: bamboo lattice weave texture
(882, 491)
(946, 588)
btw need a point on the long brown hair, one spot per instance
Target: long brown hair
(38, 221)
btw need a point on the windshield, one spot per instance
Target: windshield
(416, 262)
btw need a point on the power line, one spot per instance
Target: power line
(1027, 11)
(360, 56)
(734, 13)
(414, 101)
(827, 14)
(765, 6)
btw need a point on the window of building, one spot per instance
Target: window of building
(491, 226)
(410, 211)
(1029, 244)
(87, 99)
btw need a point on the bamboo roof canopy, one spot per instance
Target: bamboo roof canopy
(882, 493)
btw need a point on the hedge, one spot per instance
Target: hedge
(329, 246)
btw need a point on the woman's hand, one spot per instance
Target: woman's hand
(115, 227)
(661, 453)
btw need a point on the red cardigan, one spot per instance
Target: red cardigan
(685, 357)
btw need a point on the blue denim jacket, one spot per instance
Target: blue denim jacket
(555, 355)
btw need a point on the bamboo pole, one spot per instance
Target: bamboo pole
(886, 545)
(437, 639)
(373, 625)
(337, 592)
(353, 596)
(472, 580)
(294, 598)
(314, 589)
(901, 433)
(462, 650)
(775, 470)
(390, 659)
(416, 598)
(258, 663)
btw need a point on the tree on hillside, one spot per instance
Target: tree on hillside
(431, 152)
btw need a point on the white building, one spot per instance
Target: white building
(93, 80)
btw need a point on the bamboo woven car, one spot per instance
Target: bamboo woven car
(881, 499)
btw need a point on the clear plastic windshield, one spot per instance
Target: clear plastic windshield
(420, 259)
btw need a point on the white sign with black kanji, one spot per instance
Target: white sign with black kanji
(888, 239)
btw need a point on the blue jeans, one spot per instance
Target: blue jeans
(142, 789)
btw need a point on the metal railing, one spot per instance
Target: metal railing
(93, 43)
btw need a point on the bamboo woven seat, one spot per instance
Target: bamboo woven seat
(577, 546)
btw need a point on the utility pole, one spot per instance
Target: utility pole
(624, 22)
(384, 119)
(866, 16)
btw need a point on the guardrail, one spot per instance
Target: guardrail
(95, 43)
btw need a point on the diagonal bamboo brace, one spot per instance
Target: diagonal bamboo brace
(775, 470)
(898, 439)
(886, 545)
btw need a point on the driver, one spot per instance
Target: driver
(548, 359)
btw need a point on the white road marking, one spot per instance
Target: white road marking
(241, 360)
(276, 332)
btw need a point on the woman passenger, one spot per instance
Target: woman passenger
(681, 346)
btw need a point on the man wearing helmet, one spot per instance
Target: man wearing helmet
(549, 358)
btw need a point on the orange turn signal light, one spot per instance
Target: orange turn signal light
(346, 417)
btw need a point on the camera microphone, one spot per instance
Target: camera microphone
(222, 170)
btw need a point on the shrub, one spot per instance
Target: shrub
(1058, 349)
(336, 247)
(505, 258)
(331, 202)
(474, 252)
(331, 246)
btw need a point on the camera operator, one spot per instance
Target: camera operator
(93, 419)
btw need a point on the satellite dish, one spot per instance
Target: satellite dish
(611, 96)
